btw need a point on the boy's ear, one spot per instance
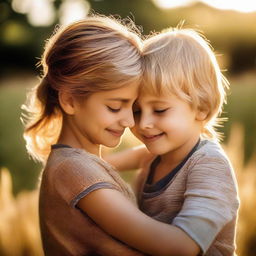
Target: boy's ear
(67, 103)
(201, 115)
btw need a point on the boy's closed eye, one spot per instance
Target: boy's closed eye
(159, 111)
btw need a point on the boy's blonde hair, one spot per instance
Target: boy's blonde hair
(91, 55)
(181, 62)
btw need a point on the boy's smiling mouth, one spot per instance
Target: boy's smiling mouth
(151, 138)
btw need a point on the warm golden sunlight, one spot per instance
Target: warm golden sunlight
(28, 33)
(236, 5)
(167, 4)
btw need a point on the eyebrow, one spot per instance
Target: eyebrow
(119, 99)
(159, 101)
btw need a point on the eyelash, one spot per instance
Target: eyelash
(113, 109)
(160, 111)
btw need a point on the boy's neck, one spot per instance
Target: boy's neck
(177, 155)
(171, 160)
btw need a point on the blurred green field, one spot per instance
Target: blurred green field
(241, 108)
(19, 230)
(12, 148)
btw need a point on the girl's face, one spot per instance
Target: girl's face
(102, 117)
(165, 124)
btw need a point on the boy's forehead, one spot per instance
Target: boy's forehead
(154, 99)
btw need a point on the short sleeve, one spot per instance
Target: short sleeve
(76, 178)
(211, 200)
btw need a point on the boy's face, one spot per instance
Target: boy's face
(165, 124)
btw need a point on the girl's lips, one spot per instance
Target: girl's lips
(116, 132)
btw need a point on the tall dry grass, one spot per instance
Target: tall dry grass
(19, 229)
(19, 232)
(246, 176)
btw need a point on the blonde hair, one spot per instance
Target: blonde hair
(182, 62)
(94, 54)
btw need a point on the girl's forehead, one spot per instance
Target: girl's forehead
(122, 93)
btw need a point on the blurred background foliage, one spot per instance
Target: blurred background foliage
(26, 24)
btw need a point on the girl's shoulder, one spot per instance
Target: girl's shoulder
(74, 161)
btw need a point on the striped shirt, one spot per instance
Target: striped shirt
(69, 175)
(201, 199)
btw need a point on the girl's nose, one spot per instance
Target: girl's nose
(128, 119)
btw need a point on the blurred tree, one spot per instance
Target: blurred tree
(21, 44)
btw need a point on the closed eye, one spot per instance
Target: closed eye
(114, 110)
(159, 111)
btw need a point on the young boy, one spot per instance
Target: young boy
(187, 180)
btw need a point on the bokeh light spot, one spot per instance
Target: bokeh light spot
(15, 33)
(72, 10)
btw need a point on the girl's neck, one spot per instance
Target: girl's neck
(96, 150)
(73, 138)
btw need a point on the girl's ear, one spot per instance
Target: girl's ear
(201, 115)
(67, 103)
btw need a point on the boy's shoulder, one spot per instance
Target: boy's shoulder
(210, 152)
(208, 148)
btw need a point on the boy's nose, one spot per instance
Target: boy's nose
(145, 122)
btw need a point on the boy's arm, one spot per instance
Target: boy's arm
(128, 159)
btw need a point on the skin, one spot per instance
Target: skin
(98, 120)
(169, 127)
(108, 114)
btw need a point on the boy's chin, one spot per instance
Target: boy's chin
(155, 150)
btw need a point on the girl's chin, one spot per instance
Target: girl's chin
(112, 144)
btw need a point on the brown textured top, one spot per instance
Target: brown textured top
(69, 175)
(201, 199)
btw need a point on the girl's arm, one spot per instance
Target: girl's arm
(118, 216)
(128, 159)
